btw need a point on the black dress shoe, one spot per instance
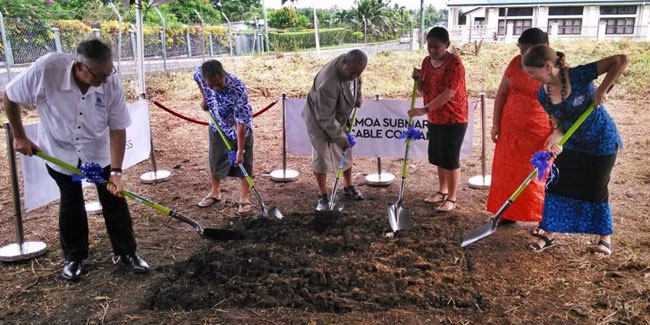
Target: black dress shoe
(72, 270)
(133, 263)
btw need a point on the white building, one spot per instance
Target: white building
(505, 20)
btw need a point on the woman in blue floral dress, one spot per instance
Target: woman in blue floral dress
(577, 200)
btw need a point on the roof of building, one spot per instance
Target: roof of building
(501, 3)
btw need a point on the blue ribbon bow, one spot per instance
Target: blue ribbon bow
(92, 173)
(232, 157)
(540, 161)
(411, 133)
(351, 140)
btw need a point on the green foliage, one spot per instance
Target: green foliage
(237, 10)
(72, 32)
(377, 17)
(183, 11)
(286, 18)
(291, 41)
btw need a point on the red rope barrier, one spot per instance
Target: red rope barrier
(266, 108)
(189, 119)
(179, 115)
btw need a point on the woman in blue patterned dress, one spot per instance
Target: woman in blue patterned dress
(577, 201)
(226, 98)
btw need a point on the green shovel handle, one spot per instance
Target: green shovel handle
(414, 95)
(126, 193)
(564, 139)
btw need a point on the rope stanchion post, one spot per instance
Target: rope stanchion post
(93, 207)
(156, 175)
(284, 174)
(481, 181)
(380, 178)
(21, 250)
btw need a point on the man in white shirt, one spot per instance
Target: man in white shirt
(83, 117)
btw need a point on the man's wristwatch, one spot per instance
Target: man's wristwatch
(242, 151)
(116, 172)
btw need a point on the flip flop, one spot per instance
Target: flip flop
(243, 208)
(453, 205)
(431, 200)
(537, 248)
(604, 252)
(208, 201)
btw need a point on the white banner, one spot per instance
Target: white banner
(40, 188)
(378, 126)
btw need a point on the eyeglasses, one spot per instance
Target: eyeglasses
(100, 77)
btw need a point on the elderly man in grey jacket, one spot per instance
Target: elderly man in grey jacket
(336, 90)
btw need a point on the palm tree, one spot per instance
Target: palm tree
(378, 16)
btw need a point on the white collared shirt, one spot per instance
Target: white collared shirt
(73, 126)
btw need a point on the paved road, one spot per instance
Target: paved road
(128, 68)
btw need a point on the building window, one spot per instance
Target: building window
(479, 21)
(565, 11)
(619, 25)
(618, 10)
(566, 26)
(528, 11)
(520, 25)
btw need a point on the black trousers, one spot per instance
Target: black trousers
(73, 221)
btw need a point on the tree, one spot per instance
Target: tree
(242, 9)
(287, 18)
(380, 19)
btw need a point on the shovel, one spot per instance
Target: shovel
(398, 216)
(490, 226)
(273, 211)
(211, 233)
(331, 204)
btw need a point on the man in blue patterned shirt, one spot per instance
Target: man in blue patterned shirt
(226, 99)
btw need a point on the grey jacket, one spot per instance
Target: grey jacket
(329, 103)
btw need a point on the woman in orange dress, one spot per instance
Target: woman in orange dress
(520, 128)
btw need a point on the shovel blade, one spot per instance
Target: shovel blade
(398, 217)
(403, 219)
(322, 206)
(221, 234)
(479, 233)
(275, 213)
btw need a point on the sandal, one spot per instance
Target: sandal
(243, 208)
(431, 198)
(208, 201)
(536, 247)
(441, 209)
(600, 251)
(537, 231)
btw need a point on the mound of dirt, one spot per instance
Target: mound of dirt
(327, 263)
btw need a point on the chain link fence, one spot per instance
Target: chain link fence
(28, 39)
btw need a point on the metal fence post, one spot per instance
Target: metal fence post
(119, 37)
(163, 39)
(9, 58)
(211, 49)
(57, 39)
(189, 44)
(133, 46)
(97, 33)
(202, 35)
